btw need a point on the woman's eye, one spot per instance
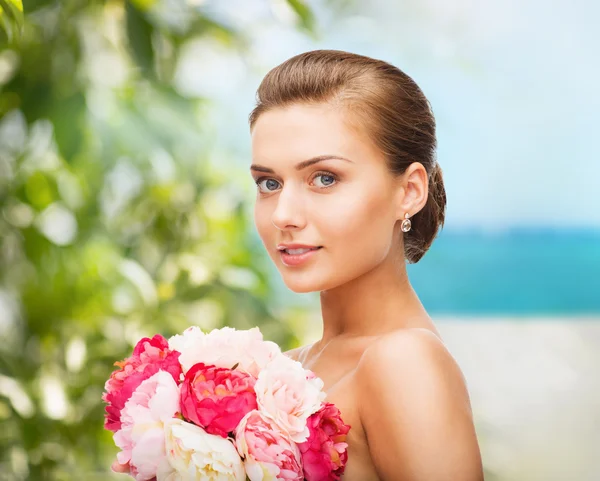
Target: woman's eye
(327, 175)
(268, 181)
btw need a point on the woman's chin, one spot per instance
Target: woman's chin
(302, 288)
(302, 285)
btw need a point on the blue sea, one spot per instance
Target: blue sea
(515, 272)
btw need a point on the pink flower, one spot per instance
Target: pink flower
(217, 398)
(324, 453)
(269, 453)
(289, 394)
(142, 434)
(149, 356)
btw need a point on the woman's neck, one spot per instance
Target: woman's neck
(373, 304)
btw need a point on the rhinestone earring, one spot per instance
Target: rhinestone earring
(406, 224)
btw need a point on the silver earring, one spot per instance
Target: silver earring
(406, 224)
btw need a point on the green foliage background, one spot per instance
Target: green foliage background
(114, 222)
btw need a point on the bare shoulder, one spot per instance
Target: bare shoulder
(408, 360)
(415, 409)
(415, 350)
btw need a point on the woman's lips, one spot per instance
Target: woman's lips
(297, 259)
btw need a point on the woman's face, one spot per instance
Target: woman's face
(349, 207)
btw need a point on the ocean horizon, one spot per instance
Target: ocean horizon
(517, 271)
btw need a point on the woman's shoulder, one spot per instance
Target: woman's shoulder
(415, 402)
(403, 341)
(414, 351)
(411, 366)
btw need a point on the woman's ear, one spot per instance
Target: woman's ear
(412, 191)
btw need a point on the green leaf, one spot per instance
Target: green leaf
(139, 33)
(11, 18)
(144, 4)
(69, 124)
(307, 19)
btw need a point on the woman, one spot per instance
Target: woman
(343, 150)
(348, 191)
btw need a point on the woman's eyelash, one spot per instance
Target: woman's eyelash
(317, 174)
(327, 174)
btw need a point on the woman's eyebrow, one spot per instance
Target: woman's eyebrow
(301, 165)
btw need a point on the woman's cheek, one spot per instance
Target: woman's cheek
(346, 213)
(261, 221)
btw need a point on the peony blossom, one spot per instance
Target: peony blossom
(324, 453)
(223, 405)
(289, 394)
(217, 398)
(188, 344)
(269, 453)
(149, 356)
(193, 454)
(225, 347)
(141, 437)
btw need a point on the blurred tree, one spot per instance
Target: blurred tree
(113, 222)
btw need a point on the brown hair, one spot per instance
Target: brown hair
(398, 117)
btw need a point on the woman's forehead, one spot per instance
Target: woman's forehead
(306, 118)
(306, 131)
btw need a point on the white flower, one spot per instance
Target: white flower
(141, 437)
(289, 394)
(188, 342)
(225, 347)
(193, 454)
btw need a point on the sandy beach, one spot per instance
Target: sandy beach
(535, 393)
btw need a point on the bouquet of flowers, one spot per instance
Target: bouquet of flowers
(223, 405)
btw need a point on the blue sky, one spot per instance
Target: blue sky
(513, 84)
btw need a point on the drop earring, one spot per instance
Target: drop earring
(406, 224)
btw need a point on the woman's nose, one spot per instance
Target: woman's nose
(288, 213)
